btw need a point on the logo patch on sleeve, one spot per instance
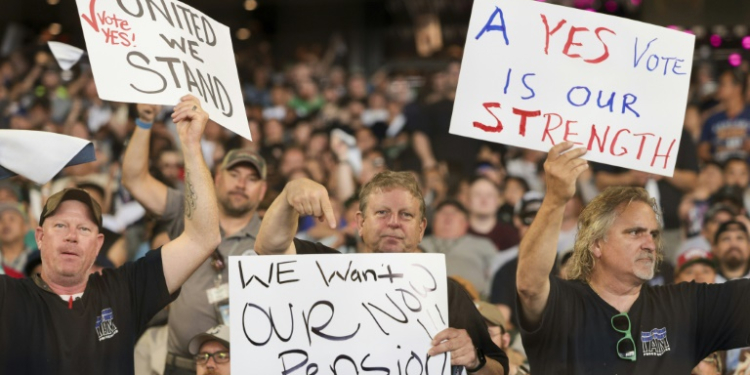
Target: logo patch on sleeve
(655, 342)
(105, 327)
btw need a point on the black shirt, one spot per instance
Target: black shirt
(462, 313)
(674, 327)
(40, 334)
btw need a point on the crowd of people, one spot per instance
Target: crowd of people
(324, 138)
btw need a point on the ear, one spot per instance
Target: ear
(263, 189)
(422, 227)
(39, 236)
(596, 249)
(99, 242)
(360, 222)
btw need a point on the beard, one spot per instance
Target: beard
(643, 273)
(732, 261)
(233, 209)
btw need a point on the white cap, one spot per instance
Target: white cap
(219, 333)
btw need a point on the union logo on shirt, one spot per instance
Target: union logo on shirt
(105, 327)
(655, 342)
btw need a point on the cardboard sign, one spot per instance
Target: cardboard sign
(534, 75)
(345, 314)
(156, 51)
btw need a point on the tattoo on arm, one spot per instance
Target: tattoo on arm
(190, 196)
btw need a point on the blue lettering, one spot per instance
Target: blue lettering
(588, 96)
(523, 79)
(626, 104)
(677, 66)
(609, 102)
(490, 27)
(507, 81)
(637, 60)
(648, 63)
(666, 63)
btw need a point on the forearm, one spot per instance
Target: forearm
(538, 249)
(423, 149)
(148, 191)
(278, 227)
(345, 186)
(684, 180)
(492, 367)
(201, 211)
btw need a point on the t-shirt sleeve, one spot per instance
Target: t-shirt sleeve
(723, 316)
(148, 287)
(544, 333)
(173, 219)
(463, 314)
(308, 247)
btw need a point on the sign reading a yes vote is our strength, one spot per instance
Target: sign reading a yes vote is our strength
(337, 314)
(156, 51)
(534, 75)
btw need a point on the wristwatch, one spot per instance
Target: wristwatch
(482, 362)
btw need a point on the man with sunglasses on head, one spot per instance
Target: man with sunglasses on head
(607, 319)
(240, 184)
(67, 320)
(211, 351)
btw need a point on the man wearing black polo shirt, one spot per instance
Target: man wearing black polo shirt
(606, 319)
(68, 321)
(391, 220)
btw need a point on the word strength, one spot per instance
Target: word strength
(340, 314)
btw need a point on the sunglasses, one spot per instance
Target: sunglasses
(626, 345)
(219, 357)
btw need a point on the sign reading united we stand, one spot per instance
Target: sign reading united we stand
(156, 51)
(534, 75)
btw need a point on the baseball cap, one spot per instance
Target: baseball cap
(729, 226)
(219, 333)
(716, 208)
(729, 194)
(693, 256)
(80, 195)
(490, 313)
(245, 155)
(6, 206)
(11, 187)
(528, 206)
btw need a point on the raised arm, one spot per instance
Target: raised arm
(146, 189)
(537, 252)
(182, 256)
(299, 197)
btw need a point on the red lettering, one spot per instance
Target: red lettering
(491, 129)
(524, 115)
(666, 156)
(614, 142)
(124, 26)
(125, 39)
(605, 55)
(547, 128)
(643, 142)
(110, 36)
(568, 132)
(549, 33)
(599, 142)
(571, 35)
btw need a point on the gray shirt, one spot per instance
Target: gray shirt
(191, 313)
(468, 256)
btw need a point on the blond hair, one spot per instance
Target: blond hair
(595, 221)
(392, 180)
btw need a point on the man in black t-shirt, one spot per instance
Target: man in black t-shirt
(391, 220)
(607, 319)
(68, 321)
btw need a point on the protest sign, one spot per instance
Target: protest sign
(344, 314)
(156, 51)
(535, 74)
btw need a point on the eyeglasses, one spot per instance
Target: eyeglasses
(219, 357)
(626, 345)
(714, 359)
(217, 261)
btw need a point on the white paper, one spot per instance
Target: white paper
(515, 67)
(39, 155)
(158, 51)
(340, 307)
(65, 54)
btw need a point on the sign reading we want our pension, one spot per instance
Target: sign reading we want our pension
(534, 75)
(156, 51)
(337, 314)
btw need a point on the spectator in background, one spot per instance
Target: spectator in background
(169, 168)
(484, 201)
(695, 265)
(13, 229)
(466, 255)
(695, 204)
(711, 365)
(513, 190)
(732, 250)
(727, 133)
(718, 213)
(737, 173)
(211, 351)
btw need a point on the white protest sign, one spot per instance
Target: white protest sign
(345, 314)
(534, 75)
(156, 51)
